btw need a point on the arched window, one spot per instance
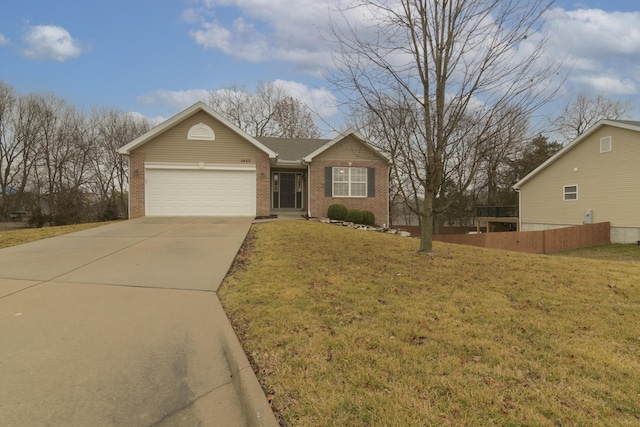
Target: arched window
(201, 132)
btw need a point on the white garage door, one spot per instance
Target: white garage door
(197, 192)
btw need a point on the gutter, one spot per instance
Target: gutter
(280, 162)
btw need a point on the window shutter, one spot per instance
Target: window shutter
(328, 176)
(371, 182)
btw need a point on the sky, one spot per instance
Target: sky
(157, 57)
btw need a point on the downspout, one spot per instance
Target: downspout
(308, 195)
(129, 195)
(519, 209)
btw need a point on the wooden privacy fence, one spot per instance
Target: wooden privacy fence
(537, 242)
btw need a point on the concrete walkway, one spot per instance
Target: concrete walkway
(120, 326)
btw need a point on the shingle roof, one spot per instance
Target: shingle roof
(290, 149)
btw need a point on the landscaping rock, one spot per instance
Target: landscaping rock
(361, 226)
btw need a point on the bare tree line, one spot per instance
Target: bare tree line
(60, 165)
(447, 89)
(269, 111)
(510, 153)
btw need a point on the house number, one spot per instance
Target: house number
(245, 160)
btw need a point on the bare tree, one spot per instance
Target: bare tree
(109, 170)
(458, 64)
(294, 119)
(267, 112)
(20, 127)
(583, 112)
(9, 150)
(60, 164)
(61, 152)
(510, 137)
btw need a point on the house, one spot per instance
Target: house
(593, 179)
(197, 163)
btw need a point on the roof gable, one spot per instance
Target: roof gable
(292, 149)
(351, 132)
(183, 115)
(621, 124)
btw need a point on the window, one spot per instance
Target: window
(570, 192)
(605, 144)
(349, 182)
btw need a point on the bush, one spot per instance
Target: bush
(108, 212)
(38, 219)
(355, 216)
(368, 218)
(337, 212)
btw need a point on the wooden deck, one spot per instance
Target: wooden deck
(496, 220)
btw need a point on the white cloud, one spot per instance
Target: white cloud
(288, 30)
(240, 40)
(135, 115)
(595, 32)
(601, 49)
(3, 40)
(190, 16)
(321, 101)
(178, 100)
(606, 84)
(50, 42)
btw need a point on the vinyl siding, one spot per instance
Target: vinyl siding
(348, 149)
(173, 145)
(608, 183)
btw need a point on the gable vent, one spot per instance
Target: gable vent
(201, 132)
(605, 144)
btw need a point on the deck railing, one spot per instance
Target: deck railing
(497, 212)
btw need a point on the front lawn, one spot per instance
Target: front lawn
(25, 235)
(614, 252)
(354, 328)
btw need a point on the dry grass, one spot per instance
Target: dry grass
(25, 235)
(353, 328)
(614, 252)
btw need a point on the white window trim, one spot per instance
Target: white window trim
(564, 193)
(605, 144)
(349, 182)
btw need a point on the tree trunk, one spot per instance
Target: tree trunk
(426, 234)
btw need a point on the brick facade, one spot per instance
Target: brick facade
(379, 204)
(263, 185)
(136, 184)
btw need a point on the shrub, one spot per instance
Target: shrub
(337, 212)
(38, 219)
(368, 218)
(109, 212)
(355, 216)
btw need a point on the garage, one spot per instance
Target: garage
(200, 191)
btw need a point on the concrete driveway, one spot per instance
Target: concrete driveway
(120, 326)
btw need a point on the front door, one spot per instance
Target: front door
(287, 190)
